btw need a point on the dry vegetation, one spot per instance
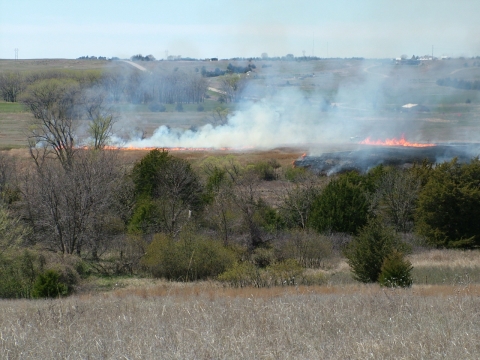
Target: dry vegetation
(201, 322)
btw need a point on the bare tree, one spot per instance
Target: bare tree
(53, 105)
(219, 116)
(8, 178)
(247, 200)
(221, 213)
(232, 86)
(100, 116)
(114, 83)
(71, 210)
(396, 198)
(297, 200)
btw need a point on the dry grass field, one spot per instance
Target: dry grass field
(202, 321)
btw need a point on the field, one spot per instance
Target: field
(138, 318)
(135, 318)
(201, 321)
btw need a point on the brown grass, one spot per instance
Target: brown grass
(446, 258)
(203, 321)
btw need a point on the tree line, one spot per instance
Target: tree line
(460, 83)
(116, 85)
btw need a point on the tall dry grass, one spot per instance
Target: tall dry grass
(205, 321)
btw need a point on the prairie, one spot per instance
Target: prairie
(205, 321)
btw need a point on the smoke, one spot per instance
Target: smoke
(315, 104)
(286, 119)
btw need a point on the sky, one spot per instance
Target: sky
(247, 28)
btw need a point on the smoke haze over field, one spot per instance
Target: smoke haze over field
(265, 124)
(327, 102)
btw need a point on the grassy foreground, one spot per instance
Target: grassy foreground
(203, 321)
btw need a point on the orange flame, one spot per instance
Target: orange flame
(394, 142)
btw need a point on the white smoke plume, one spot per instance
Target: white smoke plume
(286, 119)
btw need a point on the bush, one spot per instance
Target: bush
(157, 107)
(287, 272)
(189, 258)
(49, 285)
(241, 274)
(396, 271)
(22, 273)
(263, 257)
(316, 278)
(308, 248)
(294, 173)
(448, 206)
(266, 170)
(343, 206)
(200, 108)
(368, 251)
(179, 107)
(17, 274)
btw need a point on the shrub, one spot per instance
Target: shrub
(368, 251)
(17, 274)
(157, 107)
(448, 206)
(308, 248)
(294, 173)
(396, 271)
(241, 274)
(189, 258)
(316, 278)
(179, 107)
(263, 257)
(287, 272)
(200, 108)
(49, 285)
(343, 206)
(266, 170)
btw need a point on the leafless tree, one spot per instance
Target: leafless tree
(247, 200)
(396, 198)
(114, 84)
(72, 210)
(53, 105)
(232, 86)
(219, 116)
(100, 115)
(297, 200)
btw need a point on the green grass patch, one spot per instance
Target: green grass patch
(8, 107)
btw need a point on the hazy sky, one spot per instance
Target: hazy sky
(225, 29)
